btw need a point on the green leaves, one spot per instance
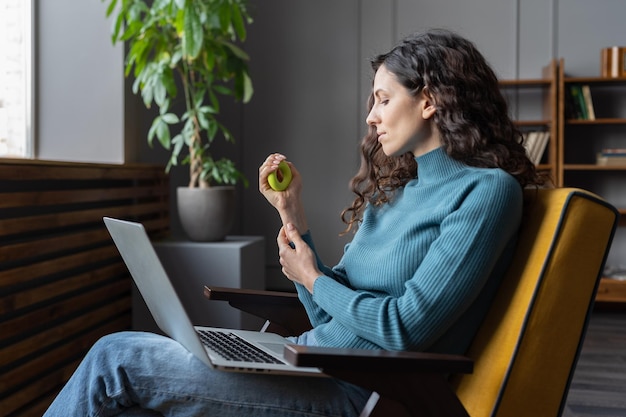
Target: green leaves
(160, 129)
(222, 171)
(192, 46)
(246, 86)
(192, 31)
(238, 22)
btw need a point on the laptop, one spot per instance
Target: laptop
(255, 352)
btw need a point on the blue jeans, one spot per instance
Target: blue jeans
(144, 374)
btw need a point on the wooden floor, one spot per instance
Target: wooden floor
(599, 384)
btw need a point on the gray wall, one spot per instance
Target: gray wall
(311, 77)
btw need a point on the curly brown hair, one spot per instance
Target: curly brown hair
(471, 115)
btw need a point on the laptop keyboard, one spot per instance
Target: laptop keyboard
(232, 347)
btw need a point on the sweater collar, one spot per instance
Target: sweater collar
(435, 165)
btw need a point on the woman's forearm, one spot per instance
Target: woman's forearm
(295, 215)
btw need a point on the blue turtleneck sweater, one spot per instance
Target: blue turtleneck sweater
(421, 271)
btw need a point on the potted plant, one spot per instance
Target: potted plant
(189, 45)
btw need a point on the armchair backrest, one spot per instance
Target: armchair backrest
(526, 350)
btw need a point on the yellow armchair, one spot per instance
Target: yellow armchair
(523, 357)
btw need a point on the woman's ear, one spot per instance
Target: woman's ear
(428, 104)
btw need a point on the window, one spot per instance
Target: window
(16, 78)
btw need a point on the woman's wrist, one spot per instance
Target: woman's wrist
(296, 217)
(310, 282)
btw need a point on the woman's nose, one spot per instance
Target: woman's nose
(371, 118)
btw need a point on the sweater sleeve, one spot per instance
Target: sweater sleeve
(315, 313)
(451, 275)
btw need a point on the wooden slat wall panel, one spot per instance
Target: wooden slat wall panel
(63, 284)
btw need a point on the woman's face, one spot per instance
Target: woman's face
(402, 121)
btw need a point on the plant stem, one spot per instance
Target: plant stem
(195, 162)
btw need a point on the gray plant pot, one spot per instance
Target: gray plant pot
(206, 214)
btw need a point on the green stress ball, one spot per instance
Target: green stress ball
(275, 183)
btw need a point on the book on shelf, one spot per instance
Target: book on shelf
(615, 272)
(542, 144)
(612, 62)
(529, 139)
(612, 157)
(579, 103)
(572, 110)
(535, 143)
(614, 151)
(586, 90)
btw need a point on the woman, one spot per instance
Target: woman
(437, 208)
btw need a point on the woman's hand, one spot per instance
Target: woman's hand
(296, 257)
(287, 202)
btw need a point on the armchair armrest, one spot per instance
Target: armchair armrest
(283, 311)
(246, 295)
(377, 360)
(403, 383)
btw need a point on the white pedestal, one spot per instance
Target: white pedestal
(237, 262)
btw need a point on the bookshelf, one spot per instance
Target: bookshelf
(534, 108)
(584, 142)
(571, 158)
